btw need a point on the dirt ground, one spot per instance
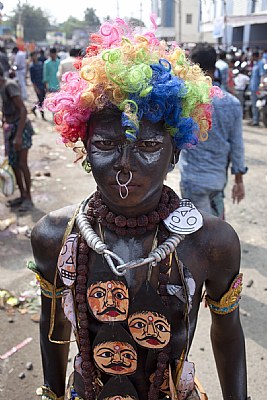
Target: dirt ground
(58, 182)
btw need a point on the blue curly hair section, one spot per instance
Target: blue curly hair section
(163, 103)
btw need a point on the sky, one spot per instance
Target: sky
(76, 8)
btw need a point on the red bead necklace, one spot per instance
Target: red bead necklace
(133, 226)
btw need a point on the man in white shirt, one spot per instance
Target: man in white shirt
(67, 64)
(21, 64)
(241, 83)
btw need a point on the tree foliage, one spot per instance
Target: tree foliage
(71, 24)
(35, 21)
(91, 19)
(135, 22)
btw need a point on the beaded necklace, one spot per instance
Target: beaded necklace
(98, 212)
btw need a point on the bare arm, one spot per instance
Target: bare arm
(22, 120)
(46, 243)
(226, 332)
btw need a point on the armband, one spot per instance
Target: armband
(45, 286)
(229, 301)
(47, 394)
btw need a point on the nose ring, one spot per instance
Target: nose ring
(123, 186)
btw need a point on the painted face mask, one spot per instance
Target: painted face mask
(148, 319)
(67, 260)
(184, 220)
(118, 388)
(114, 351)
(107, 297)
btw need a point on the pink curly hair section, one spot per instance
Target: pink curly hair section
(215, 91)
(69, 115)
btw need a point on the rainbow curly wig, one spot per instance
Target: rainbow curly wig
(141, 76)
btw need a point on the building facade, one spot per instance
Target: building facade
(179, 20)
(238, 23)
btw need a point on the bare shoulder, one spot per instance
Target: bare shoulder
(221, 236)
(222, 253)
(46, 239)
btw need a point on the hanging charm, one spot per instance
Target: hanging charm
(67, 260)
(107, 296)
(69, 308)
(185, 219)
(118, 388)
(114, 350)
(149, 320)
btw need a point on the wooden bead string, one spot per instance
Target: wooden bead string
(88, 369)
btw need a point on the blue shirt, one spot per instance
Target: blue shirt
(256, 74)
(36, 73)
(50, 74)
(205, 165)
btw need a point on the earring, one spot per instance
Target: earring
(86, 166)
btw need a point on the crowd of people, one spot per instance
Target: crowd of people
(241, 72)
(44, 69)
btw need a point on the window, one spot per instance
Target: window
(189, 18)
(253, 6)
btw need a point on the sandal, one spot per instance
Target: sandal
(15, 202)
(27, 205)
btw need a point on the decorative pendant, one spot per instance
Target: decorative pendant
(185, 219)
(67, 260)
(78, 364)
(114, 350)
(148, 319)
(179, 291)
(107, 296)
(187, 381)
(118, 388)
(68, 307)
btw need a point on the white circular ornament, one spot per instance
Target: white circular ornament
(185, 219)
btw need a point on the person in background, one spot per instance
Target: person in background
(63, 54)
(42, 56)
(67, 64)
(51, 65)
(4, 61)
(36, 74)
(18, 133)
(204, 168)
(256, 77)
(241, 81)
(231, 82)
(21, 63)
(223, 67)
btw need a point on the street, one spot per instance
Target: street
(58, 182)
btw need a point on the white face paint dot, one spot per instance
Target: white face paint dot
(109, 285)
(150, 319)
(117, 348)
